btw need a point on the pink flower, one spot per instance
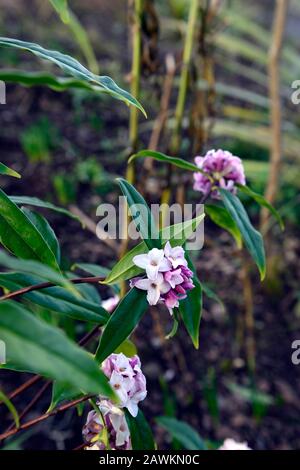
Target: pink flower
(169, 285)
(154, 288)
(231, 444)
(111, 303)
(126, 378)
(153, 262)
(224, 169)
(175, 255)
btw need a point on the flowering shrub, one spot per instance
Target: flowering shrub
(158, 270)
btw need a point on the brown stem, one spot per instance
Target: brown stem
(275, 104)
(31, 404)
(45, 285)
(43, 417)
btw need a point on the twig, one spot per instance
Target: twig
(43, 417)
(275, 104)
(45, 285)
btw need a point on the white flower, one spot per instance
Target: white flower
(110, 303)
(120, 385)
(153, 262)
(231, 444)
(119, 424)
(154, 287)
(175, 255)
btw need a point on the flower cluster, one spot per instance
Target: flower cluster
(106, 430)
(127, 379)
(108, 427)
(168, 276)
(224, 170)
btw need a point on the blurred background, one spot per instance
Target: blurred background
(69, 147)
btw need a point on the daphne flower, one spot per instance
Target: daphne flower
(174, 277)
(116, 423)
(231, 444)
(111, 303)
(223, 170)
(127, 379)
(154, 288)
(153, 262)
(175, 255)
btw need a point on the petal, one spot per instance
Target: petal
(152, 272)
(164, 265)
(164, 287)
(156, 255)
(143, 284)
(132, 408)
(141, 261)
(153, 295)
(167, 249)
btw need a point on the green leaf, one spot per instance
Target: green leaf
(262, 202)
(4, 170)
(182, 432)
(223, 219)
(122, 322)
(252, 238)
(72, 67)
(93, 269)
(55, 299)
(212, 295)
(43, 349)
(36, 202)
(161, 157)
(61, 393)
(45, 230)
(20, 236)
(140, 432)
(33, 267)
(4, 399)
(61, 6)
(141, 215)
(190, 308)
(126, 269)
(127, 347)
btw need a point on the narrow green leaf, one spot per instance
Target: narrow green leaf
(33, 267)
(127, 347)
(72, 67)
(122, 322)
(43, 349)
(56, 299)
(36, 202)
(4, 170)
(93, 269)
(223, 219)
(141, 215)
(182, 432)
(4, 399)
(191, 308)
(61, 6)
(61, 393)
(262, 202)
(177, 235)
(161, 157)
(140, 432)
(20, 236)
(45, 230)
(212, 295)
(252, 238)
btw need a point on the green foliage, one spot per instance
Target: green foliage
(72, 67)
(220, 216)
(4, 170)
(38, 140)
(191, 308)
(9, 405)
(21, 236)
(140, 432)
(252, 238)
(122, 322)
(182, 432)
(37, 347)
